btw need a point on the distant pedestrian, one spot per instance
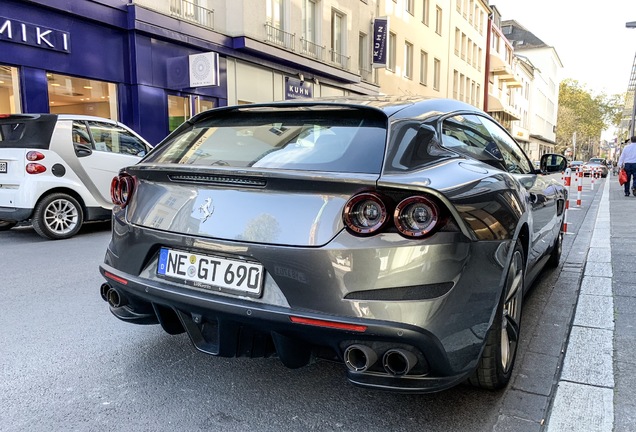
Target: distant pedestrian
(627, 161)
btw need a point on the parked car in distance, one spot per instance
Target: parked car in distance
(598, 160)
(590, 168)
(396, 235)
(574, 165)
(57, 170)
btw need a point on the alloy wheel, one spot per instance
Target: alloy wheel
(511, 316)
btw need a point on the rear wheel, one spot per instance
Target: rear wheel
(555, 256)
(57, 216)
(497, 361)
(7, 225)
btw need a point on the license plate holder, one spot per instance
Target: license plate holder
(211, 272)
(3, 167)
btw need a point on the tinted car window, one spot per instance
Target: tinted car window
(26, 131)
(467, 135)
(313, 140)
(514, 158)
(412, 145)
(112, 138)
(482, 139)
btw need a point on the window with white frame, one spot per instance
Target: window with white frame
(426, 11)
(392, 49)
(276, 23)
(438, 20)
(363, 56)
(423, 67)
(338, 37)
(437, 72)
(275, 13)
(410, 6)
(408, 60)
(310, 43)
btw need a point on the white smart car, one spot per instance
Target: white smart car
(56, 170)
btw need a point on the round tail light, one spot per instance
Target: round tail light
(416, 216)
(365, 213)
(121, 189)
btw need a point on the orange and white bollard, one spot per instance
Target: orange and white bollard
(593, 179)
(567, 181)
(579, 188)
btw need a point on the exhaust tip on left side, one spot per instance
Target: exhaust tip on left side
(103, 291)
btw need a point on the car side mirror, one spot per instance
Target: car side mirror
(82, 150)
(552, 163)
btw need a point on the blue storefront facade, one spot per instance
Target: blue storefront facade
(98, 41)
(59, 51)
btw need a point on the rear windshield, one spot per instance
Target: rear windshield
(342, 140)
(26, 131)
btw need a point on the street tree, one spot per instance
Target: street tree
(586, 114)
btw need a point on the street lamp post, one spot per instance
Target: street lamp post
(631, 25)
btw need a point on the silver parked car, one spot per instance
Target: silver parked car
(397, 236)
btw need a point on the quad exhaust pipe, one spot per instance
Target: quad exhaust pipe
(112, 296)
(359, 358)
(397, 361)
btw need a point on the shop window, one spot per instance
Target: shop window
(9, 90)
(201, 104)
(72, 95)
(178, 111)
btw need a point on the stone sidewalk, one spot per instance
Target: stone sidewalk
(597, 387)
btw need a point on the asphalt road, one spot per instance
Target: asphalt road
(69, 365)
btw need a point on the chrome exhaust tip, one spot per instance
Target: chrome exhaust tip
(398, 362)
(359, 358)
(103, 291)
(114, 299)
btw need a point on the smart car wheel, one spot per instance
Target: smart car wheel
(496, 364)
(7, 225)
(57, 216)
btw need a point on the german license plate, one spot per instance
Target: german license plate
(3, 167)
(211, 272)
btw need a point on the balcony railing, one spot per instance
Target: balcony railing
(340, 59)
(280, 37)
(311, 49)
(189, 11)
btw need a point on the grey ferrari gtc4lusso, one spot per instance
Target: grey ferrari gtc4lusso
(395, 235)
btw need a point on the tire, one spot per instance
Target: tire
(497, 361)
(57, 216)
(7, 225)
(555, 255)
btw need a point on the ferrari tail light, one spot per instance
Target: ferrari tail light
(416, 216)
(34, 156)
(121, 189)
(365, 213)
(35, 168)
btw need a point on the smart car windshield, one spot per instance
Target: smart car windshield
(323, 140)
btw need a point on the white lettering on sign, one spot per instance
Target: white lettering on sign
(34, 35)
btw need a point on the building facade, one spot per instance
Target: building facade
(543, 98)
(152, 64)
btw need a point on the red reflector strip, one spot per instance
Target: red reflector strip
(116, 278)
(329, 324)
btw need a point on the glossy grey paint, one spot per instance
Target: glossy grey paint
(293, 226)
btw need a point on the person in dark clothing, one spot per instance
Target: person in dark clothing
(627, 161)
